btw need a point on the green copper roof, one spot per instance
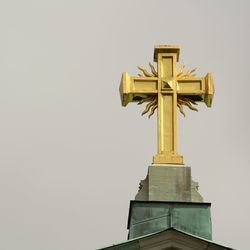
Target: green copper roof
(147, 217)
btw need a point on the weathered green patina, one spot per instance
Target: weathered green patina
(147, 217)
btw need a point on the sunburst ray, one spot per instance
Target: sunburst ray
(145, 72)
(149, 105)
(153, 70)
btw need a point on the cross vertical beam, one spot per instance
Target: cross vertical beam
(166, 58)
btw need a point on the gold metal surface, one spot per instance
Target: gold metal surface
(166, 89)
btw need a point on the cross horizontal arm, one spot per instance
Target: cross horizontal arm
(197, 88)
(135, 88)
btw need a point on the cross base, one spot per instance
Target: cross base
(169, 182)
(167, 158)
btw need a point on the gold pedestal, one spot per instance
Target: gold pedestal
(168, 158)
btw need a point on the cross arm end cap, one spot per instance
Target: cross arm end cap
(209, 86)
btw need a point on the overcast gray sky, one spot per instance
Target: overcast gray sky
(71, 157)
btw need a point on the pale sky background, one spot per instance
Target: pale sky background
(71, 157)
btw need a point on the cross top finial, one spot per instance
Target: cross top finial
(165, 89)
(166, 49)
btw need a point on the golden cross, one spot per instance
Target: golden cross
(167, 89)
